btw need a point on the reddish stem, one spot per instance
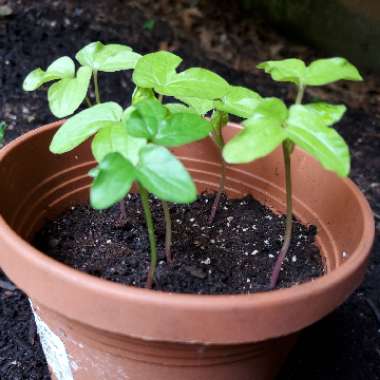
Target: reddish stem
(289, 218)
(216, 202)
(168, 232)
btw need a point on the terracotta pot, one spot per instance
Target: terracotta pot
(95, 329)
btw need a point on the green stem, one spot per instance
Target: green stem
(300, 93)
(287, 148)
(88, 101)
(168, 232)
(151, 234)
(96, 85)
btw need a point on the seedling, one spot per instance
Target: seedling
(241, 102)
(69, 90)
(156, 75)
(308, 126)
(130, 145)
(238, 101)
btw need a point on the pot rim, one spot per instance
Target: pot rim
(191, 302)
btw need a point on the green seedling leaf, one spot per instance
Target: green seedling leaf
(152, 121)
(270, 108)
(286, 70)
(85, 124)
(158, 71)
(329, 114)
(199, 106)
(239, 101)
(114, 178)
(86, 56)
(194, 82)
(259, 137)
(319, 72)
(107, 58)
(308, 130)
(140, 94)
(155, 70)
(179, 108)
(219, 119)
(324, 71)
(116, 139)
(144, 121)
(126, 113)
(262, 133)
(163, 175)
(61, 68)
(181, 128)
(66, 95)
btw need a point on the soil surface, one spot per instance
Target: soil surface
(233, 255)
(214, 34)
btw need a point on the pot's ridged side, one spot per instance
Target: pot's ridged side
(155, 335)
(94, 354)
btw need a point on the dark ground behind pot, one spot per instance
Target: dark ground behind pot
(37, 33)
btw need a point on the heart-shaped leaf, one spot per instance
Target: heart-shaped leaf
(155, 69)
(194, 82)
(324, 71)
(140, 94)
(145, 119)
(270, 108)
(163, 175)
(199, 106)
(114, 178)
(61, 68)
(329, 114)
(108, 58)
(116, 139)
(179, 108)
(307, 129)
(66, 95)
(181, 128)
(286, 70)
(259, 137)
(80, 127)
(239, 101)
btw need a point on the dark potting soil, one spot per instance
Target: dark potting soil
(233, 255)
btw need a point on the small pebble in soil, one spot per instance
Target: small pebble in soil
(240, 247)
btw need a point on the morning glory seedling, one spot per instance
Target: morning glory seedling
(134, 139)
(157, 170)
(238, 101)
(70, 88)
(156, 74)
(308, 126)
(106, 58)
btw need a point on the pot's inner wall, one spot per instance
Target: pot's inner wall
(37, 185)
